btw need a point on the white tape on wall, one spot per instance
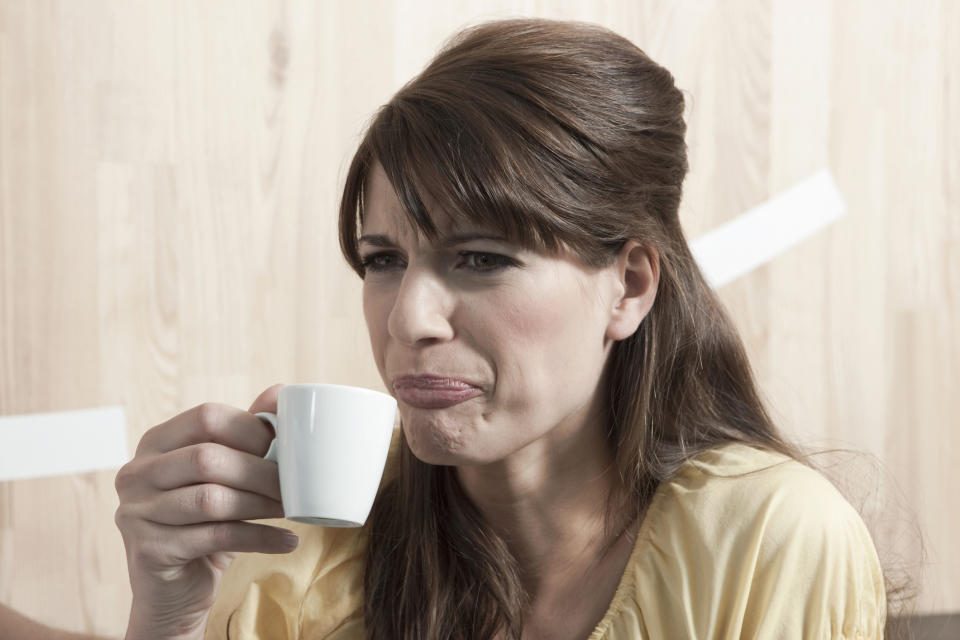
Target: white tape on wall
(47, 444)
(767, 230)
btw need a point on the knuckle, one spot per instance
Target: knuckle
(129, 476)
(145, 438)
(146, 546)
(128, 521)
(211, 501)
(122, 480)
(209, 415)
(146, 551)
(121, 517)
(206, 459)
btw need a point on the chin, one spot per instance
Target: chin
(448, 437)
(434, 445)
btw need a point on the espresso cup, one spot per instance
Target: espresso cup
(331, 445)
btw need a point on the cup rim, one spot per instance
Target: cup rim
(351, 388)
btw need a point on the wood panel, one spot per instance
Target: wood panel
(169, 176)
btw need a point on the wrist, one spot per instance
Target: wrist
(146, 625)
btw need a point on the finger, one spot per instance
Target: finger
(212, 463)
(175, 546)
(266, 401)
(207, 503)
(209, 422)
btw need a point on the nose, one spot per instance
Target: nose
(421, 310)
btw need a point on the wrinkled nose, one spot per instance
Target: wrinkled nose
(421, 310)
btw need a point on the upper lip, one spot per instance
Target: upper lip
(430, 380)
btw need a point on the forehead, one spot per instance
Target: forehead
(382, 210)
(383, 213)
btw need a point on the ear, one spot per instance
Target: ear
(637, 273)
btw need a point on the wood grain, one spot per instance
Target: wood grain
(169, 175)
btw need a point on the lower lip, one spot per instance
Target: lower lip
(433, 398)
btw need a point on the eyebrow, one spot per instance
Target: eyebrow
(379, 240)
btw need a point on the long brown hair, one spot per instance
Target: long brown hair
(559, 135)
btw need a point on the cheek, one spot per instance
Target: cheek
(375, 310)
(545, 345)
(552, 317)
(530, 323)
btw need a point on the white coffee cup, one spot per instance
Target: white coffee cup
(331, 445)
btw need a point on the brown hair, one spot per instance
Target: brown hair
(559, 135)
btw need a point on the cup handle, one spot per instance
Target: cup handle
(271, 419)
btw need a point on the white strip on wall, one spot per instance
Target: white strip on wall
(769, 229)
(48, 444)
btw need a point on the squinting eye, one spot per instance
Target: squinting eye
(379, 262)
(486, 262)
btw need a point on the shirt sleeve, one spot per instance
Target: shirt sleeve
(817, 574)
(754, 545)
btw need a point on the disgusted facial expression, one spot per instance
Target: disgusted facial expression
(513, 342)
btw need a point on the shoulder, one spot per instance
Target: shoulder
(315, 591)
(748, 495)
(738, 488)
(745, 542)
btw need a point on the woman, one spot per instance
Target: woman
(608, 472)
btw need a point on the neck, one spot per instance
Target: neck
(548, 502)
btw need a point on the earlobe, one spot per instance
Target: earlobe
(638, 271)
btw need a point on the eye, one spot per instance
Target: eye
(383, 261)
(486, 262)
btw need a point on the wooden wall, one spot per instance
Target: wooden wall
(169, 174)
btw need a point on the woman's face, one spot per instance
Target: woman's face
(525, 330)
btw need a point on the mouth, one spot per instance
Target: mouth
(433, 392)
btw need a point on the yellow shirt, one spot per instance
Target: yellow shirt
(778, 553)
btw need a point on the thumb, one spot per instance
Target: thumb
(266, 401)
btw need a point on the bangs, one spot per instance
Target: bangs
(443, 163)
(441, 166)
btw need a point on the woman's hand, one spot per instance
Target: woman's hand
(183, 498)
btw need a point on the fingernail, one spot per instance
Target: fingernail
(289, 541)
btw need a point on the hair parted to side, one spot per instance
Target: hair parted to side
(560, 135)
